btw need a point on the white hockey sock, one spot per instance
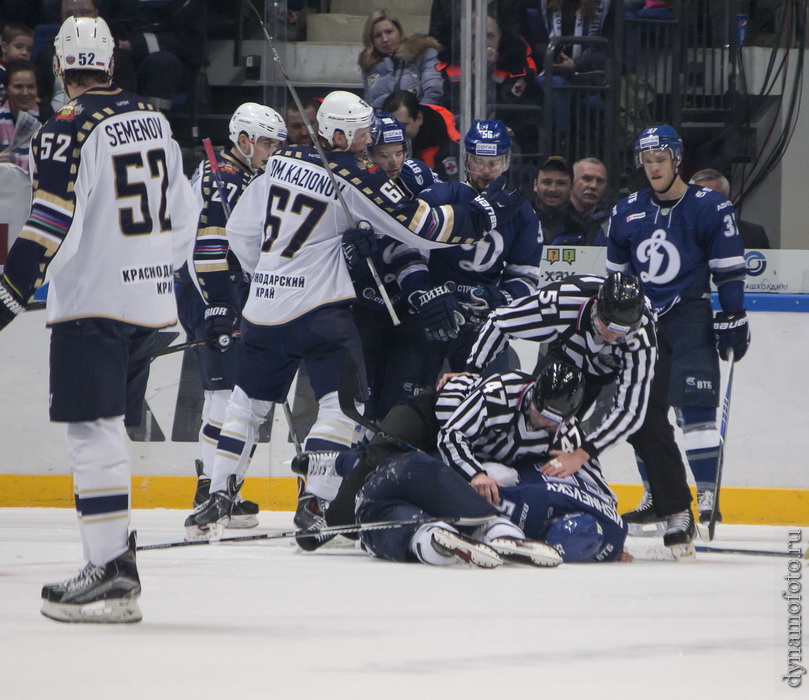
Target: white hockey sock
(237, 438)
(497, 527)
(99, 459)
(213, 417)
(421, 544)
(332, 430)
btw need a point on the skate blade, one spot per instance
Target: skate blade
(472, 553)
(526, 552)
(208, 533)
(242, 522)
(683, 552)
(703, 532)
(654, 529)
(114, 610)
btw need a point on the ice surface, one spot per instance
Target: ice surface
(264, 620)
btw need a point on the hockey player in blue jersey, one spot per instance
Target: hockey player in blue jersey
(677, 238)
(522, 420)
(389, 152)
(286, 231)
(453, 290)
(256, 132)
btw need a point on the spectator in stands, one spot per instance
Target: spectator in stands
(753, 235)
(571, 62)
(52, 96)
(392, 61)
(585, 217)
(557, 215)
(445, 16)
(16, 43)
(511, 80)
(431, 130)
(167, 43)
(297, 134)
(21, 97)
(587, 199)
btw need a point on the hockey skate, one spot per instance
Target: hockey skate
(705, 501)
(644, 521)
(244, 514)
(107, 593)
(310, 518)
(320, 471)
(520, 551)
(208, 521)
(679, 536)
(465, 549)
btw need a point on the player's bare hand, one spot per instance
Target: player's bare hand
(625, 557)
(5, 155)
(446, 377)
(487, 487)
(564, 464)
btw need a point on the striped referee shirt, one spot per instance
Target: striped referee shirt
(483, 420)
(561, 314)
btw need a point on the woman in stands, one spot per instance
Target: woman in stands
(21, 96)
(391, 61)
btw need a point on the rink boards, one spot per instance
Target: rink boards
(765, 477)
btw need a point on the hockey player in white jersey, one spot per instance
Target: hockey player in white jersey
(256, 132)
(112, 216)
(286, 231)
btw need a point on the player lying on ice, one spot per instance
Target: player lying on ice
(510, 418)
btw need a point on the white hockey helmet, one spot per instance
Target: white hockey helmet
(83, 43)
(257, 121)
(343, 111)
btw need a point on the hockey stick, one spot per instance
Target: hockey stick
(171, 349)
(721, 457)
(316, 143)
(292, 432)
(335, 530)
(348, 390)
(751, 552)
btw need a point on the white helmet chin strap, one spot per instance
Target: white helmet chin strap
(246, 156)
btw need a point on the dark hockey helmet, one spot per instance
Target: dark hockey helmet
(620, 302)
(558, 391)
(576, 536)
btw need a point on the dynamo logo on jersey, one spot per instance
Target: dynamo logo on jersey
(662, 257)
(755, 262)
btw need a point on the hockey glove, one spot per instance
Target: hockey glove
(358, 244)
(10, 303)
(481, 302)
(220, 322)
(732, 331)
(495, 206)
(439, 313)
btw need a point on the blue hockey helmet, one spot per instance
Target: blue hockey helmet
(657, 138)
(487, 138)
(558, 391)
(386, 129)
(576, 536)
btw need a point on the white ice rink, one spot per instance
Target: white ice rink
(264, 620)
